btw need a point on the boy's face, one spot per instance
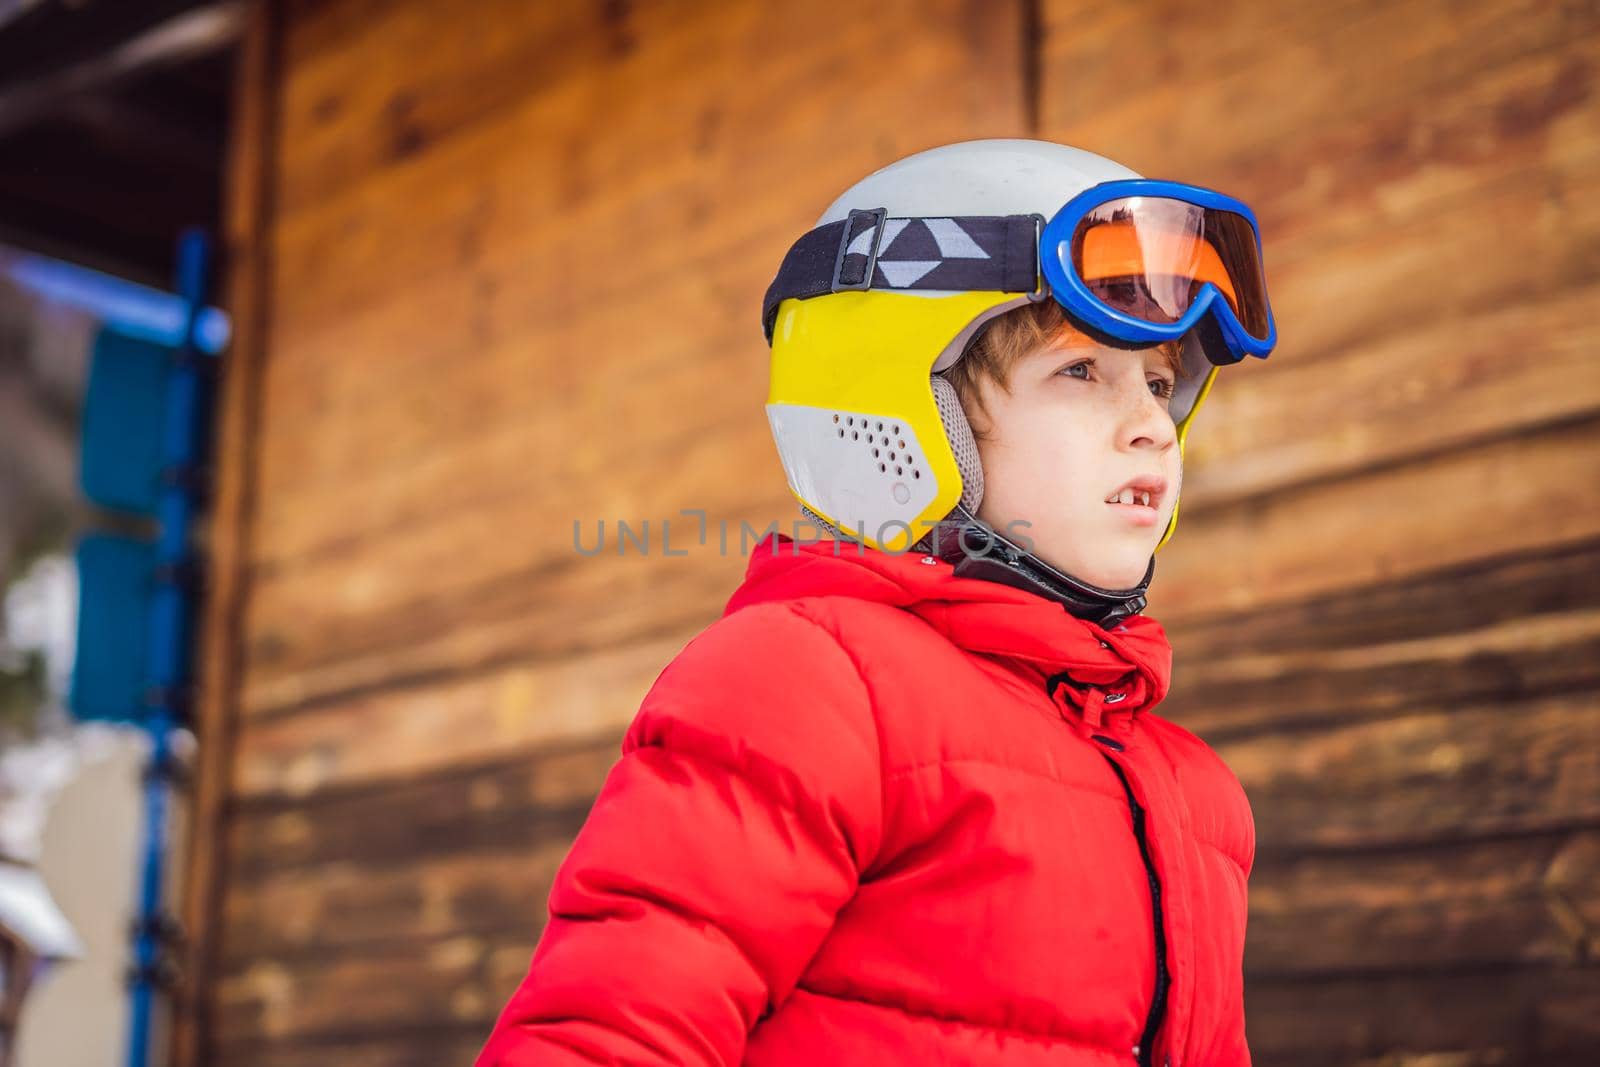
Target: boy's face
(1078, 422)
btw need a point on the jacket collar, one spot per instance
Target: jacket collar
(1080, 663)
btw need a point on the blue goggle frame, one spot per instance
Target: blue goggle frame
(1055, 252)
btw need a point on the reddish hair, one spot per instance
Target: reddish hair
(1010, 336)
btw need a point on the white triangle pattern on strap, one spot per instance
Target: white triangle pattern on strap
(892, 228)
(861, 244)
(905, 272)
(953, 241)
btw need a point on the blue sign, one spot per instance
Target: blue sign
(116, 581)
(123, 422)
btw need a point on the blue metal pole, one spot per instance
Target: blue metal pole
(168, 650)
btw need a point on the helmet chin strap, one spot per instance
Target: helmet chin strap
(980, 551)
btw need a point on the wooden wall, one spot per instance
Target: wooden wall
(498, 269)
(1384, 593)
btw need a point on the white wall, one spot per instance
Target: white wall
(93, 838)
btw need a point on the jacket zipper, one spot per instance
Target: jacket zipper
(1158, 1002)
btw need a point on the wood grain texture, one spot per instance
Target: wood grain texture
(1518, 626)
(517, 257)
(1427, 202)
(1468, 1018)
(1450, 907)
(461, 879)
(413, 726)
(514, 265)
(1518, 494)
(1447, 907)
(462, 378)
(245, 260)
(398, 1046)
(1382, 593)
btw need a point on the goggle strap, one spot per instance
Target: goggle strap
(866, 250)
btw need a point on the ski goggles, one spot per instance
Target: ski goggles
(1137, 261)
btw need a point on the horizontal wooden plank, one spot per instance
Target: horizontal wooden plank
(367, 628)
(396, 1045)
(1441, 602)
(492, 385)
(1513, 496)
(463, 980)
(1425, 776)
(1179, 70)
(340, 907)
(1510, 629)
(422, 78)
(1466, 642)
(1447, 383)
(521, 802)
(457, 982)
(1466, 905)
(1501, 1016)
(1471, 1018)
(1428, 775)
(406, 728)
(338, 624)
(1453, 905)
(1248, 694)
(542, 187)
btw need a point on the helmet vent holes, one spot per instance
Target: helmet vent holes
(886, 447)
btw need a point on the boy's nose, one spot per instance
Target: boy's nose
(1146, 422)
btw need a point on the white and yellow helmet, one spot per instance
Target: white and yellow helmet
(898, 276)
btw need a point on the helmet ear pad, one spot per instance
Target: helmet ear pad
(959, 432)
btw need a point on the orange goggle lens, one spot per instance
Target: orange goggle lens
(1148, 257)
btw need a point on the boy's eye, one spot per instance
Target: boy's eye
(1163, 388)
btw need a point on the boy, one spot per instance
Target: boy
(915, 807)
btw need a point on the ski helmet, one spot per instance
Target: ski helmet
(903, 270)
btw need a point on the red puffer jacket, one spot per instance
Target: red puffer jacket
(879, 814)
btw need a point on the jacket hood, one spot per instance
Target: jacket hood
(1128, 667)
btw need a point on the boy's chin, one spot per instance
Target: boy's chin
(1119, 573)
(1119, 578)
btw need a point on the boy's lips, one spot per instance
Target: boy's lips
(1141, 498)
(1138, 514)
